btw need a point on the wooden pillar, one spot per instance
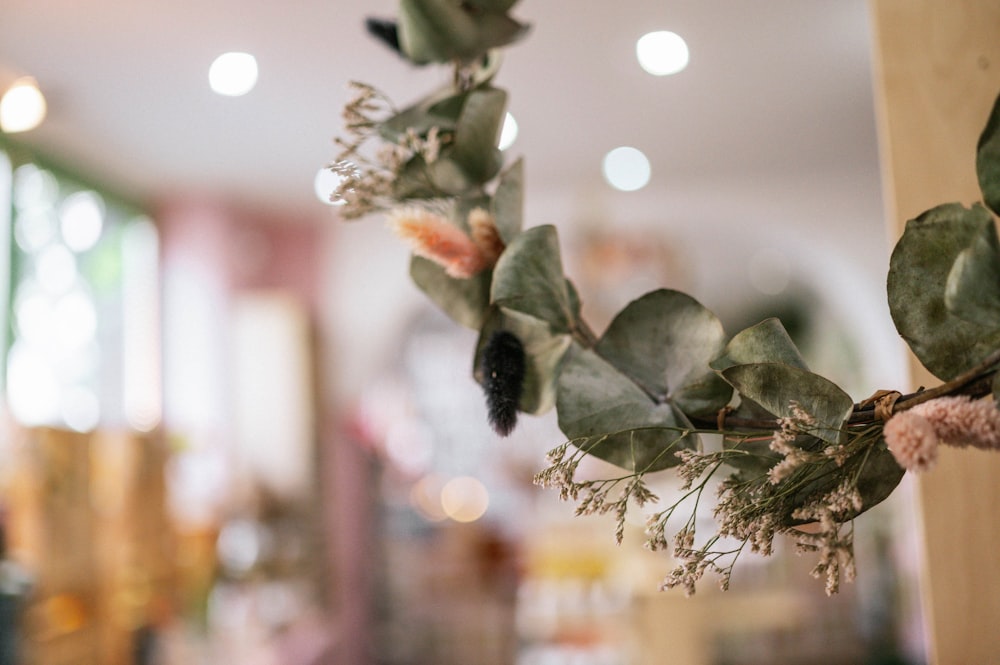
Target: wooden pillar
(937, 74)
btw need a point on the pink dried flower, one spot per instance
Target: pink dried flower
(484, 233)
(911, 440)
(434, 237)
(961, 421)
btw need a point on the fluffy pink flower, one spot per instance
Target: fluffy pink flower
(434, 237)
(484, 233)
(911, 440)
(961, 421)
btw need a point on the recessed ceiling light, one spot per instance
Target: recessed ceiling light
(233, 74)
(627, 169)
(508, 134)
(22, 106)
(661, 53)
(324, 184)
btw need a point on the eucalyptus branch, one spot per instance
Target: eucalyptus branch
(439, 161)
(975, 382)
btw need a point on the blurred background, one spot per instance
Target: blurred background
(233, 431)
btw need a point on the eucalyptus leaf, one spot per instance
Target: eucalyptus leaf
(604, 413)
(752, 458)
(878, 478)
(972, 291)
(528, 278)
(988, 159)
(464, 300)
(414, 181)
(544, 353)
(420, 180)
(444, 30)
(574, 301)
(495, 6)
(436, 30)
(439, 109)
(487, 68)
(478, 133)
(776, 386)
(497, 29)
(664, 342)
(508, 202)
(765, 342)
(946, 344)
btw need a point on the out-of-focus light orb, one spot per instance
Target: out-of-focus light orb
(508, 133)
(81, 410)
(33, 314)
(32, 388)
(75, 317)
(55, 269)
(34, 187)
(81, 219)
(233, 74)
(464, 499)
(425, 497)
(35, 228)
(22, 107)
(324, 184)
(627, 169)
(662, 53)
(240, 545)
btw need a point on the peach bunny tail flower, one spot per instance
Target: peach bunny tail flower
(484, 233)
(911, 440)
(433, 237)
(962, 421)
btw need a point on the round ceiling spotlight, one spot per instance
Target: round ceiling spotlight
(661, 53)
(508, 134)
(233, 74)
(627, 168)
(22, 107)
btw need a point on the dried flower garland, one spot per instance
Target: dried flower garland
(794, 449)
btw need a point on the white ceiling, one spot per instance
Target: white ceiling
(775, 89)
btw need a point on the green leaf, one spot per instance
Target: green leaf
(544, 353)
(528, 278)
(478, 133)
(988, 159)
(439, 109)
(776, 386)
(972, 291)
(435, 30)
(444, 30)
(496, 30)
(757, 457)
(605, 414)
(918, 272)
(495, 6)
(420, 180)
(464, 300)
(664, 342)
(877, 479)
(574, 301)
(766, 342)
(508, 202)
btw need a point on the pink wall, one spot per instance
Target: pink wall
(210, 253)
